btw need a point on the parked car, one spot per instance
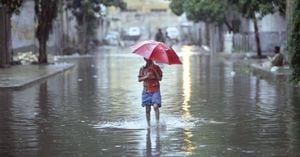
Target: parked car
(133, 33)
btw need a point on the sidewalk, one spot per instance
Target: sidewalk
(257, 68)
(19, 76)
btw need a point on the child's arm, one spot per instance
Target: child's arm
(143, 78)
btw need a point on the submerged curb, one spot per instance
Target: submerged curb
(24, 75)
(282, 74)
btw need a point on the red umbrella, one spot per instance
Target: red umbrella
(157, 51)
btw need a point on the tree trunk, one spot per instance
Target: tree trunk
(83, 35)
(230, 27)
(5, 38)
(287, 14)
(62, 45)
(221, 38)
(257, 39)
(43, 51)
(67, 29)
(207, 30)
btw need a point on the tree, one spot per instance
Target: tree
(85, 11)
(209, 11)
(13, 5)
(215, 14)
(281, 6)
(46, 12)
(294, 40)
(218, 11)
(249, 9)
(7, 8)
(177, 7)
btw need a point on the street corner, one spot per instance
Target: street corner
(23, 75)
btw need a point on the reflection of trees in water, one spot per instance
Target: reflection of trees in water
(6, 133)
(293, 123)
(148, 144)
(43, 121)
(43, 100)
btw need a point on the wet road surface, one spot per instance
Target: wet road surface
(210, 108)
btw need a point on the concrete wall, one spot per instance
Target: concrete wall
(246, 41)
(272, 31)
(23, 27)
(270, 23)
(273, 23)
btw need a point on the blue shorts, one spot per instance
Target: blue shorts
(151, 98)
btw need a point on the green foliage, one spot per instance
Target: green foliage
(116, 3)
(13, 5)
(88, 8)
(218, 10)
(294, 40)
(248, 8)
(222, 11)
(201, 10)
(281, 4)
(205, 10)
(177, 7)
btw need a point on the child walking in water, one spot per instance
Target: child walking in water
(151, 74)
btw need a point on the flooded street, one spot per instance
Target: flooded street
(210, 108)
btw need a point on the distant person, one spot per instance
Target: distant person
(151, 74)
(275, 62)
(159, 36)
(278, 58)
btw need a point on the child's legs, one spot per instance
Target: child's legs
(156, 109)
(156, 100)
(148, 110)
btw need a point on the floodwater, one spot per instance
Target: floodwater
(211, 108)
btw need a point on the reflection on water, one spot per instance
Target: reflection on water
(186, 83)
(188, 145)
(153, 150)
(94, 110)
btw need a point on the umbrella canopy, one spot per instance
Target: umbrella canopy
(157, 51)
